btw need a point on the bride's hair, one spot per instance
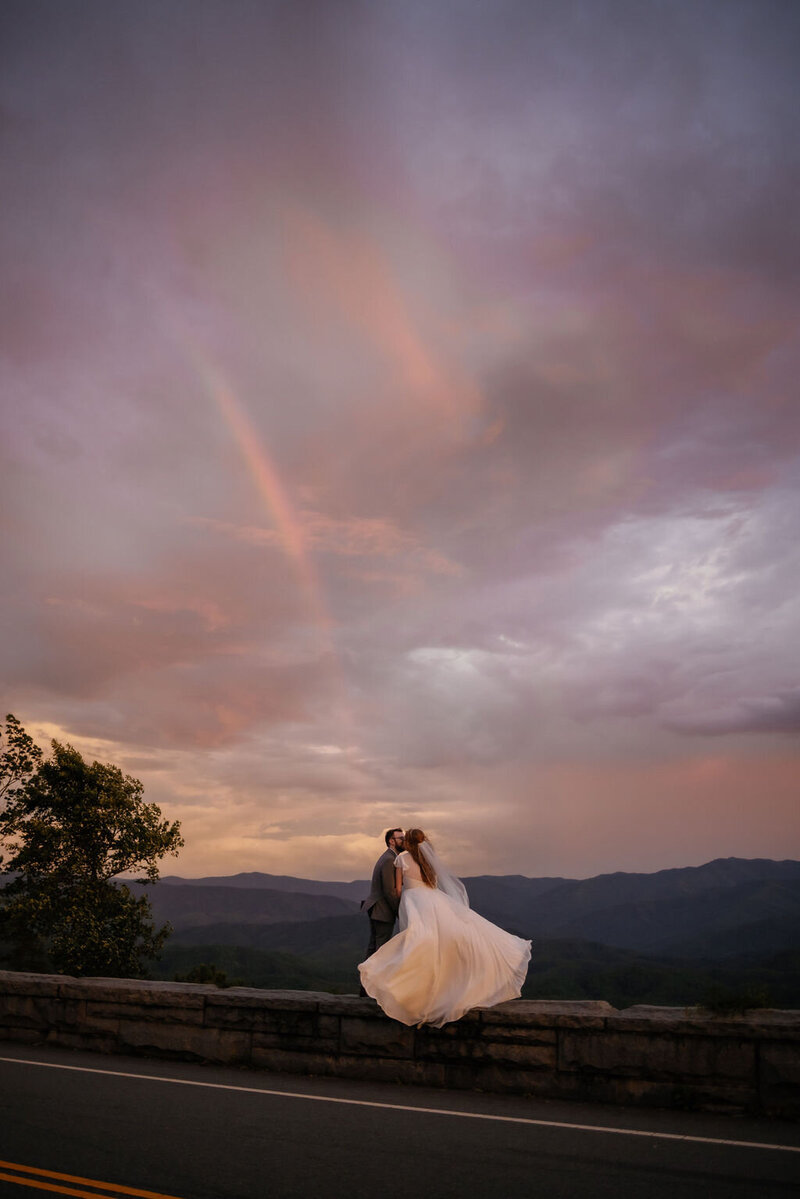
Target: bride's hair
(412, 841)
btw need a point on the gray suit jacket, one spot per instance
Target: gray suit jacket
(384, 899)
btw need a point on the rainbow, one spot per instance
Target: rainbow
(265, 477)
(272, 492)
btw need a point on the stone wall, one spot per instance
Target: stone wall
(665, 1057)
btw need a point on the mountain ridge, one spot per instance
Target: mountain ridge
(257, 880)
(719, 909)
(724, 867)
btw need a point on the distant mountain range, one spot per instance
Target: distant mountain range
(726, 908)
(254, 880)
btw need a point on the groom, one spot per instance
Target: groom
(384, 900)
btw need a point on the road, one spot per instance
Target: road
(83, 1125)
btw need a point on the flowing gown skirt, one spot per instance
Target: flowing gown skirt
(445, 960)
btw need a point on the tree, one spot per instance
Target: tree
(19, 759)
(72, 830)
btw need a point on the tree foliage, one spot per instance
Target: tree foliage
(19, 758)
(72, 829)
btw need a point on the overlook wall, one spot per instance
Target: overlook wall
(664, 1057)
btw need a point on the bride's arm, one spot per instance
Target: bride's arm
(398, 879)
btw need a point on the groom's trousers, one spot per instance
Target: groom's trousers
(380, 931)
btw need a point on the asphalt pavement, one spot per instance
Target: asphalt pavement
(84, 1124)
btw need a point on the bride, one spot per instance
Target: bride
(445, 959)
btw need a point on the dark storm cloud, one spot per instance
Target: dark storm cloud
(764, 714)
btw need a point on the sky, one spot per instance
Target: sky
(400, 422)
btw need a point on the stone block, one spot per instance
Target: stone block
(16, 982)
(780, 1062)
(469, 1026)
(543, 1057)
(22, 1036)
(243, 1017)
(652, 1011)
(660, 1021)
(39, 1011)
(139, 992)
(255, 1000)
(481, 1052)
(190, 1041)
(430, 1045)
(350, 1005)
(239, 1000)
(164, 1013)
(470, 1020)
(774, 1023)
(657, 1056)
(241, 996)
(321, 1036)
(292, 1022)
(272, 1057)
(286, 1001)
(530, 1034)
(101, 1021)
(546, 1013)
(376, 1038)
(473, 1031)
(96, 1042)
(779, 1077)
(756, 1025)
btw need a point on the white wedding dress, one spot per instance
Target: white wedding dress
(445, 959)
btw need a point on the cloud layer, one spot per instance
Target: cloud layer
(400, 423)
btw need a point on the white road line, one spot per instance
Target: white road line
(426, 1111)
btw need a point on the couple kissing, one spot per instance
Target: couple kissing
(444, 958)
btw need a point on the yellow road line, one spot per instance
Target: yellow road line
(49, 1186)
(45, 1181)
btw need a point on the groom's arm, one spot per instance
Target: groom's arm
(389, 882)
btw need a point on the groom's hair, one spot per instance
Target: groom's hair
(390, 832)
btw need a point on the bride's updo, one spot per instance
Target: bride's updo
(412, 840)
